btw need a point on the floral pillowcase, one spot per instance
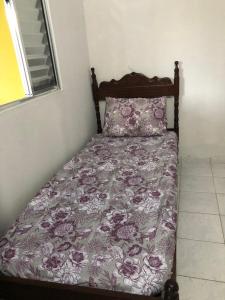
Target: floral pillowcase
(135, 117)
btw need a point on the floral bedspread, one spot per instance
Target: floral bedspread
(106, 220)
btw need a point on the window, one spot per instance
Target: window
(30, 33)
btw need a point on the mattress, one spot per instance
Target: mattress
(107, 219)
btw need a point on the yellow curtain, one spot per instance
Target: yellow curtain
(11, 87)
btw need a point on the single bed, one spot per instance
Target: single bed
(104, 227)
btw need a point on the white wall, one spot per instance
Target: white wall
(38, 136)
(147, 36)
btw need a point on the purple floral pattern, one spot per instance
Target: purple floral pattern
(106, 220)
(135, 117)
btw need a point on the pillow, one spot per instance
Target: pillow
(135, 117)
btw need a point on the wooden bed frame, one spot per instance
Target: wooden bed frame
(136, 85)
(130, 86)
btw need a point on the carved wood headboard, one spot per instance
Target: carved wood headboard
(136, 85)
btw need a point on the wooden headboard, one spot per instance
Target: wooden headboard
(136, 85)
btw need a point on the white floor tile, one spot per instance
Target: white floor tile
(197, 289)
(201, 260)
(223, 224)
(191, 159)
(198, 202)
(179, 168)
(220, 185)
(200, 227)
(178, 182)
(221, 202)
(218, 170)
(197, 168)
(197, 184)
(218, 159)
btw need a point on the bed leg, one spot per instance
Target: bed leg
(171, 290)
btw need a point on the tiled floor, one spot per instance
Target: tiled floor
(201, 229)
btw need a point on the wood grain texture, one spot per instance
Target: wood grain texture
(26, 289)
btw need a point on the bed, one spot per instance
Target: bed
(104, 226)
